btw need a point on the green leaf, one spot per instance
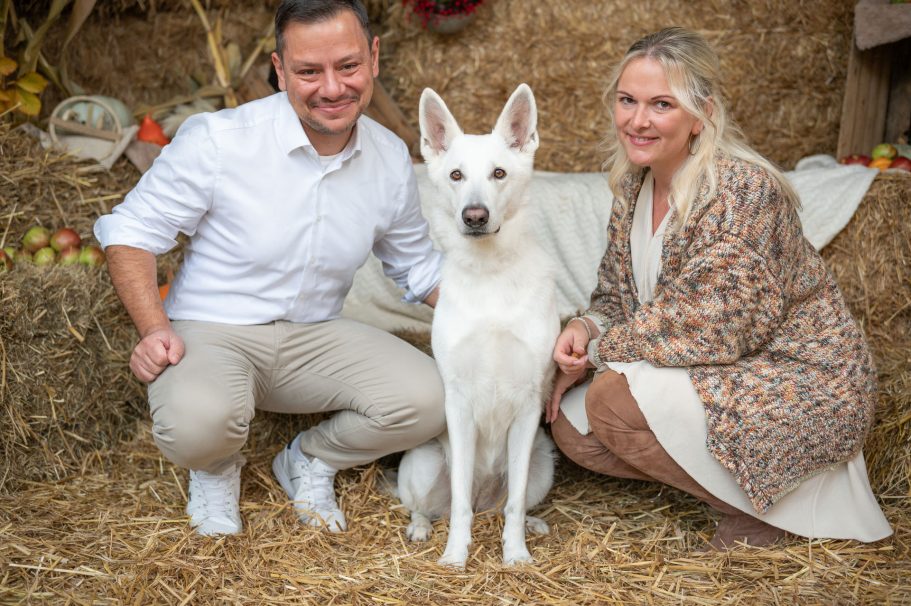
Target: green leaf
(7, 66)
(32, 82)
(29, 104)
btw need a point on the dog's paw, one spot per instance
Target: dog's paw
(517, 555)
(419, 531)
(536, 525)
(454, 558)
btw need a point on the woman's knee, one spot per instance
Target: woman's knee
(579, 449)
(610, 405)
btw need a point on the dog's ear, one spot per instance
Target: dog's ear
(518, 124)
(438, 127)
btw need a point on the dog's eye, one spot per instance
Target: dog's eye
(456, 175)
(499, 173)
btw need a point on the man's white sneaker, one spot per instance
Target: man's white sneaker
(311, 485)
(213, 505)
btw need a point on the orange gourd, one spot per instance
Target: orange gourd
(150, 132)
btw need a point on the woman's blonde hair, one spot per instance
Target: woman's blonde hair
(692, 71)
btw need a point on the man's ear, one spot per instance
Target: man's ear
(518, 123)
(375, 56)
(279, 72)
(438, 127)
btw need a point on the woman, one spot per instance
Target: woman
(727, 364)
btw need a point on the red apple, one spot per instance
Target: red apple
(6, 263)
(92, 256)
(36, 238)
(44, 256)
(69, 256)
(855, 159)
(901, 163)
(65, 238)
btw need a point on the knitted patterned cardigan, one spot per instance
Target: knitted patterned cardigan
(746, 304)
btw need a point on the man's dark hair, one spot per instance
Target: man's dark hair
(314, 11)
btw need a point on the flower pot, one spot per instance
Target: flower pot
(450, 24)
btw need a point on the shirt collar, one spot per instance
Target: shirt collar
(288, 129)
(291, 134)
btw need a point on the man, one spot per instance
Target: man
(283, 199)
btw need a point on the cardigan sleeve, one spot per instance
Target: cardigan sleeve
(724, 303)
(605, 300)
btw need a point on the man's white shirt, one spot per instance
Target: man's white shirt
(274, 233)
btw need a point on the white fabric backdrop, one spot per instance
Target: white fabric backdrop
(571, 211)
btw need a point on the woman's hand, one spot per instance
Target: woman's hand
(562, 384)
(570, 356)
(569, 351)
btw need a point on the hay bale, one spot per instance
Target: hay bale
(65, 393)
(784, 64)
(871, 261)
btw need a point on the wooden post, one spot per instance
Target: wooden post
(898, 119)
(384, 110)
(863, 113)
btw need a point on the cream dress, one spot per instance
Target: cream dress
(837, 503)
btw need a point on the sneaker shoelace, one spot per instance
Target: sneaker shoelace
(319, 492)
(216, 493)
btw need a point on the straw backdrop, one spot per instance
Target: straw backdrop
(91, 513)
(784, 63)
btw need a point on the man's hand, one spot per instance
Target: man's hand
(155, 352)
(432, 298)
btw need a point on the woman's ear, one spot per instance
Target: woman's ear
(709, 109)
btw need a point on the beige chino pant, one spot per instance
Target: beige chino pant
(387, 396)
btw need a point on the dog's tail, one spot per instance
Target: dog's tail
(387, 482)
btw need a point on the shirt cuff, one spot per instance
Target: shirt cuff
(423, 278)
(120, 229)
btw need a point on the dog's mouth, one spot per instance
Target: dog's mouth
(479, 233)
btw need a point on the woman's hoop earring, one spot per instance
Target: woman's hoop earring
(693, 144)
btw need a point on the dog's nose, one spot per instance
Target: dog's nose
(475, 216)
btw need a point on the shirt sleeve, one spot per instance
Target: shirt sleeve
(724, 304)
(170, 198)
(406, 250)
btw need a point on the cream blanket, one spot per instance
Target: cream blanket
(571, 212)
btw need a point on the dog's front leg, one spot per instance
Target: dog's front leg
(462, 438)
(519, 445)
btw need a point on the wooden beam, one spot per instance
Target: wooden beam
(898, 119)
(384, 110)
(863, 114)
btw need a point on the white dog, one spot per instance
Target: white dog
(493, 331)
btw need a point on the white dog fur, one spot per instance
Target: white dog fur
(493, 331)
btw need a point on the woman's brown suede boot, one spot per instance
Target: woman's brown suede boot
(737, 528)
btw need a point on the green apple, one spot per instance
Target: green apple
(36, 238)
(92, 256)
(884, 150)
(44, 256)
